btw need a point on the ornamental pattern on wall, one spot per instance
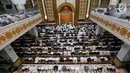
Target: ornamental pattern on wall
(49, 10)
(83, 9)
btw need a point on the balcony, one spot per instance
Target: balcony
(118, 27)
(11, 32)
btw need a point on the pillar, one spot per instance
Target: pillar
(44, 9)
(59, 19)
(99, 30)
(33, 2)
(99, 3)
(33, 32)
(123, 56)
(73, 19)
(10, 55)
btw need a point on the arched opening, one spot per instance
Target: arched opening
(66, 8)
(66, 5)
(66, 11)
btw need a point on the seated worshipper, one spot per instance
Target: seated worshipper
(45, 53)
(57, 60)
(39, 68)
(88, 59)
(42, 68)
(100, 68)
(55, 68)
(60, 68)
(76, 49)
(94, 53)
(68, 53)
(72, 49)
(50, 60)
(33, 68)
(107, 53)
(61, 59)
(84, 53)
(71, 59)
(94, 59)
(51, 53)
(81, 59)
(42, 60)
(73, 54)
(37, 59)
(72, 68)
(78, 59)
(64, 49)
(64, 68)
(53, 60)
(86, 68)
(65, 53)
(103, 59)
(25, 68)
(80, 53)
(68, 68)
(67, 59)
(46, 60)
(76, 68)
(111, 69)
(69, 48)
(74, 59)
(57, 54)
(50, 67)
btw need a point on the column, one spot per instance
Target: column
(73, 19)
(124, 53)
(123, 56)
(32, 3)
(99, 30)
(10, 55)
(44, 9)
(33, 32)
(59, 19)
(99, 3)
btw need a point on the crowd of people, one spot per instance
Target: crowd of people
(69, 68)
(67, 44)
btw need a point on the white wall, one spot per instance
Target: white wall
(126, 1)
(59, 2)
(113, 2)
(18, 1)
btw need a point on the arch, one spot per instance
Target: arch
(66, 4)
(66, 8)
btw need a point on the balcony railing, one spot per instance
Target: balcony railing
(11, 32)
(118, 27)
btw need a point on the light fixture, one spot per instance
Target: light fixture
(87, 15)
(45, 17)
